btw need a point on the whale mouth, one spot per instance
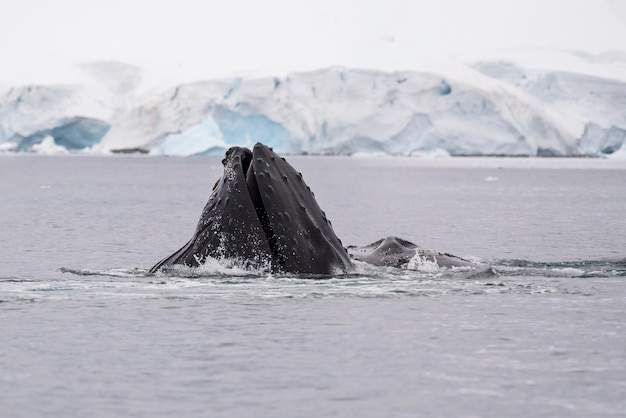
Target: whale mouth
(249, 168)
(298, 236)
(261, 210)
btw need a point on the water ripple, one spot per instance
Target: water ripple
(223, 282)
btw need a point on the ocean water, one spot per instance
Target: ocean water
(536, 329)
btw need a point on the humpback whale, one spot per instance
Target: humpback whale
(262, 213)
(397, 252)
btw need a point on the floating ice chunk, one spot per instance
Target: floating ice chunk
(48, 146)
(431, 153)
(8, 146)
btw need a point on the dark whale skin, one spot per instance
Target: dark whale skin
(397, 252)
(304, 237)
(262, 213)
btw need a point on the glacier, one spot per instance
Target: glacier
(498, 107)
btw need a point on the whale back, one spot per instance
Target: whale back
(397, 252)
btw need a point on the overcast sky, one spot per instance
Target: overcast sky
(222, 37)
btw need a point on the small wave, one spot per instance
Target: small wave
(231, 281)
(116, 272)
(419, 268)
(219, 281)
(14, 280)
(268, 287)
(565, 269)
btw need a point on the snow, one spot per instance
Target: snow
(588, 100)
(515, 106)
(48, 146)
(340, 111)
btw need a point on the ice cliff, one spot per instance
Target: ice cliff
(487, 108)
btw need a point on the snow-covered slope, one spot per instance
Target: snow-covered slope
(591, 105)
(76, 112)
(338, 111)
(489, 108)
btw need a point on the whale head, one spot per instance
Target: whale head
(262, 212)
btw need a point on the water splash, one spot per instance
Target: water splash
(234, 282)
(423, 263)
